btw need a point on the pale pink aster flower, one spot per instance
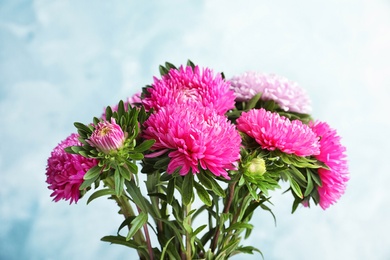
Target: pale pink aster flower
(134, 100)
(188, 85)
(272, 131)
(332, 153)
(65, 171)
(107, 136)
(286, 93)
(194, 137)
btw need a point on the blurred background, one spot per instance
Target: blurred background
(64, 61)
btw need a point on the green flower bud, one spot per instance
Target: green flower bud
(256, 167)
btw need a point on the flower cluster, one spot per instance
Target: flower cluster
(209, 140)
(65, 172)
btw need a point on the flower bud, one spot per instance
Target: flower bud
(256, 167)
(107, 136)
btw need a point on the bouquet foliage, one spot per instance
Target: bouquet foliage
(192, 157)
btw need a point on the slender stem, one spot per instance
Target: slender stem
(226, 208)
(148, 242)
(187, 209)
(126, 211)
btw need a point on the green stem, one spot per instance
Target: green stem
(187, 209)
(127, 211)
(228, 203)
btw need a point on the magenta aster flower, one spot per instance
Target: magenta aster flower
(190, 86)
(273, 131)
(65, 172)
(107, 136)
(287, 94)
(194, 137)
(332, 153)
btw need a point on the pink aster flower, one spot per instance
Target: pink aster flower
(332, 153)
(273, 131)
(134, 100)
(286, 93)
(195, 137)
(65, 172)
(107, 136)
(190, 86)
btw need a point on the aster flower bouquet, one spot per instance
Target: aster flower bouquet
(192, 158)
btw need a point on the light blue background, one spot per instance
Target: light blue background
(63, 61)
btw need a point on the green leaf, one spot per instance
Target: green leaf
(165, 248)
(83, 128)
(163, 70)
(88, 183)
(170, 190)
(93, 172)
(310, 185)
(253, 101)
(145, 145)
(100, 193)
(119, 181)
(188, 189)
(124, 172)
(203, 194)
(239, 225)
(132, 167)
(137, 196)
(119, 240)
(136, 156)
(214, 184)
(136, 224)
(108, 113)
(295, 187)
(204, 180)
(297, 175)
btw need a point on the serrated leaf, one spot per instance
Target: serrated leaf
(203, 194)
(136, 224)
(100, 193)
